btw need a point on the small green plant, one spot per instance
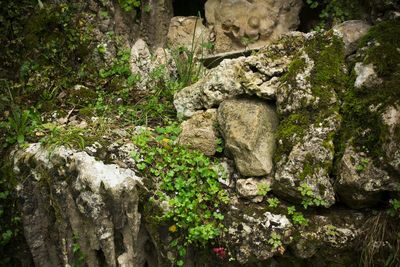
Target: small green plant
(297, 217)
(19, 125)
(362, 165)
(394, 208)
(188, 182)
(275, 240)
(263, 189)
(331, 230)
(273, 202)
(309, 199)
(129, 5)
(79, 256)
(219, 145)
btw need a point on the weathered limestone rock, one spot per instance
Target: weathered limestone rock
(200, 132)
(71, 198)
(308, 107)
(352, 31)
(249, 232)
(308, 164)
(254, 75)
(239, 24)
(248, 127)
(330, 237)
(360, 183)
(251, 188)
(366, 75)
(391, 146)
(143, 65)
(184, 30)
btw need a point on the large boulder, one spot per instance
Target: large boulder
(239, 24)
(248, 127)
(70, 199)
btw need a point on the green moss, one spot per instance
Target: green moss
(327, 78)
(361, 123)
(290, 131)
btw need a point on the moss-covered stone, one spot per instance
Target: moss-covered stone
(362, 108)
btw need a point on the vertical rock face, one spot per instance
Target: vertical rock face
(248, 127)
(73, 204)
(239, 24)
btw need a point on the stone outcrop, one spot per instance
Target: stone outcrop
(72, 200)
(256, 75)
(248, 128)
(391, 146)
(239, 24)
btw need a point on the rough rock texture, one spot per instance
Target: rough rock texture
(330, 237)
(248, 127)
(252, 188)
(200, 132)
(249, 232)
(308, 164)
(239, 24)
(155, 21)
(366, 75)
(352, 31)
(71, 198)
(391, 146)
(181, 31)
(254, 75)
(360, 183)
(308, 107)
(144, 65)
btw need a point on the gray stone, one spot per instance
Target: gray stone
(70, 194)
(366, 75)
(391, 142)
(252, 188)
(248, 127)
(360, 183)
(308, 165)
(254, 75)
(200, 132)
(352, 31)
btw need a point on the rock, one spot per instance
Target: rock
(307, 166)
(253, 188)
(184, 30)
(240, 24)
(69, 198)
(352, 31)
(248, 127)
(200, 133)
(150, 69)
(331, 237)
(249, 234)
(360, 183)
(391, 141)
(254, 75)
(366, 75)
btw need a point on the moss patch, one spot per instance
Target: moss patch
(362, 107)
